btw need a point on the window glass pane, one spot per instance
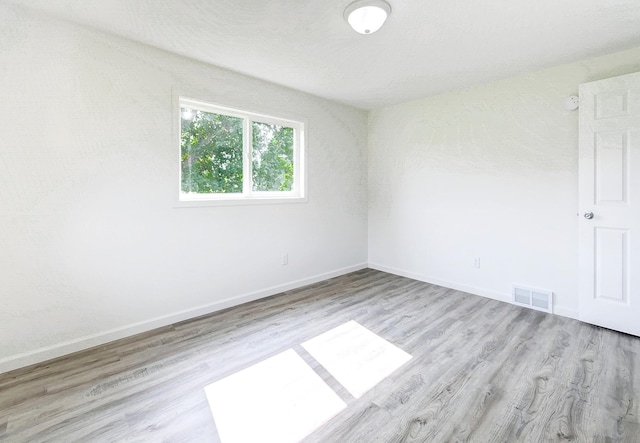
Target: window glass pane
(211, 152)
(272, 157)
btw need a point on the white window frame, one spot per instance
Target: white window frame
(248, 196)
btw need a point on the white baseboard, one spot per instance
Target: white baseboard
(58, 350)
(565, 312)
(447, 284)
(557, 310)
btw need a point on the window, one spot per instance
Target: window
(232, 155)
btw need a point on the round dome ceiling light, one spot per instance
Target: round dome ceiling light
(367, 16)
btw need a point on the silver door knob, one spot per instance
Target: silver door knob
(588, 215)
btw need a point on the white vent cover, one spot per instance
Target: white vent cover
(533, 298)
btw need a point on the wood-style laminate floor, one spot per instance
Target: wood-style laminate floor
(482, 371)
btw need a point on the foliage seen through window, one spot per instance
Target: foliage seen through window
(214, 146)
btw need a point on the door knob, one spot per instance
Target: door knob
(588, 215)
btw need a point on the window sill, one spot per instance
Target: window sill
(238, 201)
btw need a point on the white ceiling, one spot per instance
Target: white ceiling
(425, 48)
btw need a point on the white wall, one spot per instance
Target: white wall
(487, 172)
(92, 245)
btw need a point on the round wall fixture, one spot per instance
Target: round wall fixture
(367, 16)
(571, 103)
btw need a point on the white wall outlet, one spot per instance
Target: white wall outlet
(476, 262)
(285, 259)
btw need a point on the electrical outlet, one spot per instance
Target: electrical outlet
(476, 262)
(285, 259)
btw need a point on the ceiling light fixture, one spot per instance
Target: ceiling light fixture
(367, 16)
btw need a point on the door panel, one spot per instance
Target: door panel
(611, 271)
(611, 167)
(609, 202)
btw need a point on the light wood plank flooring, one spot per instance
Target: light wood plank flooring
(482, 371)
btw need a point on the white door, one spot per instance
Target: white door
(609, 203)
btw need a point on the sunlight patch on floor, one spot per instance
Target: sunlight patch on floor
(356, 357)
(280, 399)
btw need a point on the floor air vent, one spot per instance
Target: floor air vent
(533, 298)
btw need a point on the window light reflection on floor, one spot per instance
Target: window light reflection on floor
(282, 399)
(356, 357)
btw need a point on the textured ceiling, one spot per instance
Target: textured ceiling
(425, 47)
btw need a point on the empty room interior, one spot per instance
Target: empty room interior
(236, 221)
